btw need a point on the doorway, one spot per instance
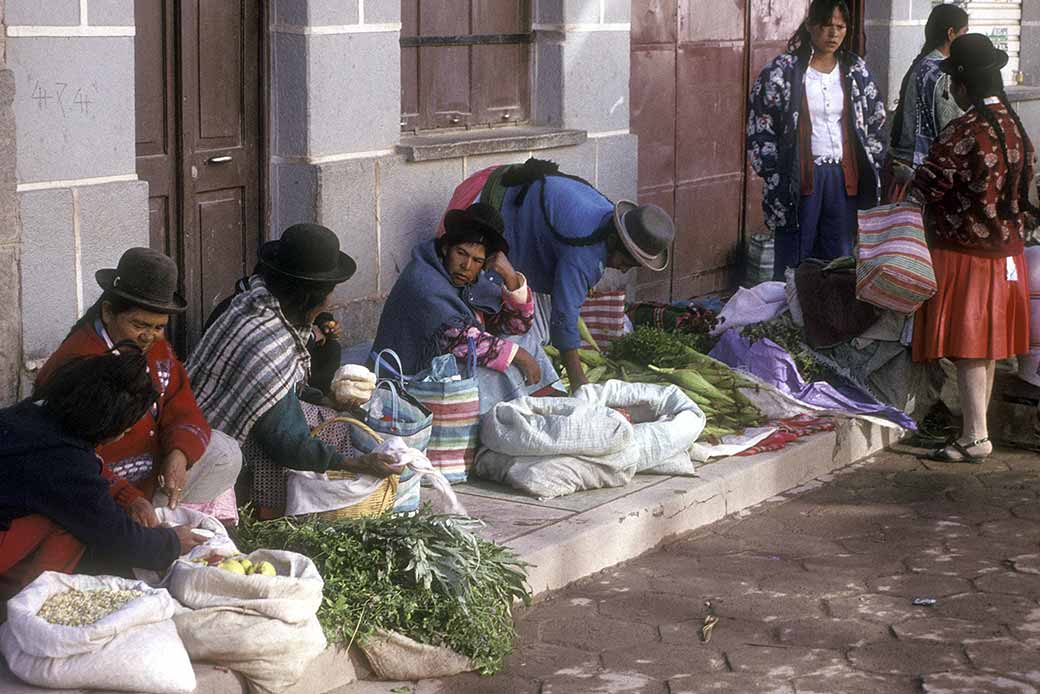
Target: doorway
(198, 81)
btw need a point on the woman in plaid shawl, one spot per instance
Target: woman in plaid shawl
(250, 371)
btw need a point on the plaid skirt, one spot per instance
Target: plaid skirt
(268, 494)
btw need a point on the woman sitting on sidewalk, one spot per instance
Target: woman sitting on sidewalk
(54, 498)
(170, 455)
(975, 188)
(250, 370)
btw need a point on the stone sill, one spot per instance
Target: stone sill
(1023, 94)
(431, 147)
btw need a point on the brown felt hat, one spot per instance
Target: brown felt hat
(146, 278)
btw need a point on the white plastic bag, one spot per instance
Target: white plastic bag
(314, 492)
(263, 627)
(218, 541)
(134, 649)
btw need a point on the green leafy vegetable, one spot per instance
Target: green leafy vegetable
(425, 576)
(785, 333)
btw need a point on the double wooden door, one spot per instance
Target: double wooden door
(198, 143)
(692, 65)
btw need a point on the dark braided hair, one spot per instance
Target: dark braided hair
(936, 31)
(980, 86)
(820, 14)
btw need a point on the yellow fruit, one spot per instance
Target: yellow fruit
(232, 566)
(246, 565)
(265, 568)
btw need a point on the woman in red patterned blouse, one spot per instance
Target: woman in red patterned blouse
(975, 188)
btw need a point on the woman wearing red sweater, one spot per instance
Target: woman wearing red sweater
(975, 189)
(170, 455)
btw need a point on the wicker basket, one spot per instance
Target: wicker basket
(379, 501)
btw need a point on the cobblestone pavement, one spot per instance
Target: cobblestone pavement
(814, 593)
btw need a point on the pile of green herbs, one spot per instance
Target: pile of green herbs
(783, 331)
(649, 345)
(425, 576)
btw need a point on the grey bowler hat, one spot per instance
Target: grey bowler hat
(647, 232)
(146, 278)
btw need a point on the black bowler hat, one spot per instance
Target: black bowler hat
(972, 55)
(308, 252)
(647, 232)
(481, 218)
(145, 278)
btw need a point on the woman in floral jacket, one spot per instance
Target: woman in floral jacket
(814, 129)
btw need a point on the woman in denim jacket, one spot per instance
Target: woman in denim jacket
(814, 136)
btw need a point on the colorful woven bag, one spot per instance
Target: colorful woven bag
(604, 314)
(456, 419)
(893, 266)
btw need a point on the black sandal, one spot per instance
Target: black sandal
(942, 454)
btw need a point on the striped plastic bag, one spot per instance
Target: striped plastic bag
(604, 314)
(893, 266)
(455, 405)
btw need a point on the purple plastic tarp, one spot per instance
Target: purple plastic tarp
(769, 362)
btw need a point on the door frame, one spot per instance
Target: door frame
(178, 332)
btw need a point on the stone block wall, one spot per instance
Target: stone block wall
(81, 203)
(10, 236)
(335, 118)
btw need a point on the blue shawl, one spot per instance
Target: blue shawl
(424, 302)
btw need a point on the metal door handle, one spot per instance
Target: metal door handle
(219, 160)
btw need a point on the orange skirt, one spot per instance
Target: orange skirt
(977, 313)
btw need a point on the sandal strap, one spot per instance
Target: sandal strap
(972, 444)
(962, 449)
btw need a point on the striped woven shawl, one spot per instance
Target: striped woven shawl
(247, 361)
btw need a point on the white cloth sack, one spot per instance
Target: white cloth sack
(665, 423)
(549, 447)
(761, 303)
(134, 649)
(314, 492)
(263, 627)
(220, 543)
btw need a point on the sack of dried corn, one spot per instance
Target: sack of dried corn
(95, 632)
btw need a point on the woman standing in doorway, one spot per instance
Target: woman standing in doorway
(814, 128)
(925, 103)
(975, 189)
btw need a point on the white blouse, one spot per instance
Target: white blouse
(826, 99)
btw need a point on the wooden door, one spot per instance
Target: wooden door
(205, 177)
(691, 65)
(155, 110)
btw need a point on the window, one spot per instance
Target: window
(1001, 20)
(464, 63)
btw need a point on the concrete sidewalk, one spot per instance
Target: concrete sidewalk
(572, 537)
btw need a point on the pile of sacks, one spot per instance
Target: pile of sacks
(263, 626)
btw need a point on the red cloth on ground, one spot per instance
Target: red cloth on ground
(976, 312)
(788, 431)
(178, 424)
(34, 544)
